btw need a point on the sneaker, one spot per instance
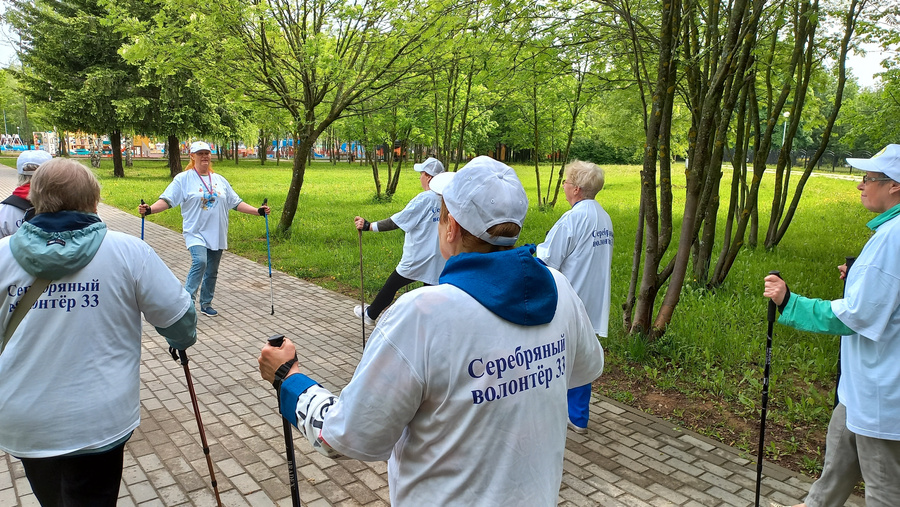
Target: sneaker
(358, 311)
(208, 311)
(576, 429)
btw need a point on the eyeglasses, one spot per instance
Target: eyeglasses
(867, 179)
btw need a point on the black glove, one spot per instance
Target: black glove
(261, 211)
(367, 226)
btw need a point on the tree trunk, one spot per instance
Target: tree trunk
(643, 308)
(115, 143)
(537, 139)
(263, 143)
(293, 195)
(850, 24)
(174, 155)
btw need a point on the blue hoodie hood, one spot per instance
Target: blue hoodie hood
(512, 284)
(53, 245)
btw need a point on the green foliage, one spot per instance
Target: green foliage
(70, 62)
(599, 152)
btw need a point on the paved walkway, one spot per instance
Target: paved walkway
(628, 458)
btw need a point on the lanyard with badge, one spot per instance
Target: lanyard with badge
(209, 196)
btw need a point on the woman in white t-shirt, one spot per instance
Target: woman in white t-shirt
(421, 260)
(205, 198)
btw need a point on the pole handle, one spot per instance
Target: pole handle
(179, 354)
(265, 201)
(276, 340)
(772, 306)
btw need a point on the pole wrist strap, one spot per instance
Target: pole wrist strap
(281, 373)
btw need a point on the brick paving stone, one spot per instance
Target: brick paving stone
(726, 497)
(670, 496)
(662, 502)
(719, 482)
(628, 458)
(575, 498)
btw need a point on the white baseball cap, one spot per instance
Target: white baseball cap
(199, 146)
(430, 166)
(886, 161)
(29, 161)
(482, 194)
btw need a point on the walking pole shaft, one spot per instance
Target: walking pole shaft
(362, 291)
(187, 373)
(770, 319)
(142, 223)
(276, 341)
(269, 252)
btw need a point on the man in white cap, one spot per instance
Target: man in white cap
(421, 260)
(864, 433)
(12, 209)
(462, 386)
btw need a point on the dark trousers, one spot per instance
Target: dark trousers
(76, 481)
(386, 295)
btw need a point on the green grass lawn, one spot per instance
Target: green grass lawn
(711, 355)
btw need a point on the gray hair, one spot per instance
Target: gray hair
(586, 175)
(62, 184)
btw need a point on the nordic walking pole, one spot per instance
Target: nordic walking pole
(176, 354)
(142, 222)
(276, 341)
(765, 396)
(269, 251)
(837, 382)
(362, 291)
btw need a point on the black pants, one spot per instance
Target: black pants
(386, 295)
(76, 481)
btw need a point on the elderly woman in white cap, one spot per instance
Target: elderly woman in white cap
(205, 198)
(13, 208)
(462, 386)
(580, 245)
(421, 260)
(863, 437)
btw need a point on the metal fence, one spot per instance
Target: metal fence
(833, 161)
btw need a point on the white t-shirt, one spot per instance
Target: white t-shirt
(422, 259)
(11, 219)
(204, 201)
(70, 374)
(870, 374)
(470, 408)
(580, 245)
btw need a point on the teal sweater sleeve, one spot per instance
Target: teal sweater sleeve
(813, 315)
(183, 333)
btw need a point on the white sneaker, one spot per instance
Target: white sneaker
(576, 429)
(358, 311)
